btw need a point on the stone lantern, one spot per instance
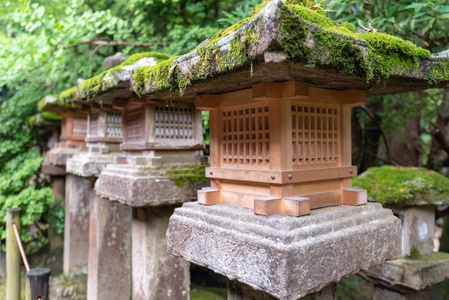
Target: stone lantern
(412, 194)
(135, 193)
(281, 148)
(68, 142)
(104, 135)
(279, 87)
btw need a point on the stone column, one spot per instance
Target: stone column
(158, 274)
(76, 242)
(109, 269)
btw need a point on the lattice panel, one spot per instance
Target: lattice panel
(79, 127)
(93, 125)
(134, 128)
(246, 136)
(114, 125)
(174, 123)
(315, 134)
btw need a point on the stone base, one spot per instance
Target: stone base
(284, 256)
(139, 186)
(411, 273)
(88, 164)
(55, 160)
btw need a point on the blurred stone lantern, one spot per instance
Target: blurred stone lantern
(412, 194)
(133, 145)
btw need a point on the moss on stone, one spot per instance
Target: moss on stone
(185, 174)
(439, 72)
(337, 49)
(404, 185)
(93, 86)
(180, 174)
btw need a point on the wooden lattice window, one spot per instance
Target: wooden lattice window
(134, 126)
(246, 136)
(114, 125)
(93, 124)
(174, 123)
(315, 134)
(79, 127)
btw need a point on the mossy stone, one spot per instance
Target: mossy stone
(404, 186)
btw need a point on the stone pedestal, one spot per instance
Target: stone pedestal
(156, 274)
(152, 196)
(140, 186)
(76, 242)
(409, 276)
(284, 256)
(109, 269)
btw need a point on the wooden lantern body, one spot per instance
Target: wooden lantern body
(104, 130)
(155, 133)
(281, 148)
(73, 129)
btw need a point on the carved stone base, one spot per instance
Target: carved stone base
(283, 256)
(89, 164)
(55, 160)
(138, 186)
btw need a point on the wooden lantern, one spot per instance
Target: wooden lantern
(281, 148)
(156, 133)
(73, 129)
(104, 130)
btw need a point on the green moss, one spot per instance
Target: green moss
(105, 80)
(181, 174)
(403, 185)
(69, 94)
(439, 72)
(336, 49)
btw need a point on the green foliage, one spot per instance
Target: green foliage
(403, 185)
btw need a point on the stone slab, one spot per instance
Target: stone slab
(138, 187)
(89, 164)
(411, 273)
(55, 160)
(284, 256)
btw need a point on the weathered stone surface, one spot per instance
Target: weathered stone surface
(156, 274)
(79, 194)
(58, 186)
(381, 293)
(109, 268)
(418, 227)
(137, 187)
(89, 164)
(411, 273)
(55, 160)
(284, 256)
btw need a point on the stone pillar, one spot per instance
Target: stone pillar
(109, 269)
(58, 187)
(382, 293)
(76, 243)
(158, 274)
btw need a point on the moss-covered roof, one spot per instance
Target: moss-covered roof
(404, 186)
(52, 103)
(45, 118)
(286, 41)
(110, 79)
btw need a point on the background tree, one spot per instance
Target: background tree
(47, 44)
